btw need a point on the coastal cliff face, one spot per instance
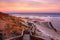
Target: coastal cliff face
(11, 25)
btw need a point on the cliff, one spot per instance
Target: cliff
(11, 25)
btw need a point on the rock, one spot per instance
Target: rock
(9, 24)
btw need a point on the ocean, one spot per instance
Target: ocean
(55, 17)
(38, 14)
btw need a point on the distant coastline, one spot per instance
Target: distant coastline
(38, 14)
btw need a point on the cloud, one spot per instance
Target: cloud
(41, 1)
(11, 1)
(32, 5)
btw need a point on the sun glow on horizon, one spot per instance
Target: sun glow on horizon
(30, 6)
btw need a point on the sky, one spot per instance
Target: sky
(30, 5)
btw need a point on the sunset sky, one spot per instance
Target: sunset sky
(30, 5)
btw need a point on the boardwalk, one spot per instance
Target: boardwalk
(26, 37)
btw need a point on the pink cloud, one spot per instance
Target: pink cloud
(29, 5)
